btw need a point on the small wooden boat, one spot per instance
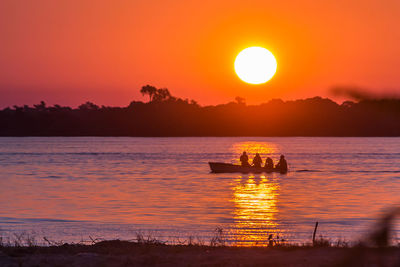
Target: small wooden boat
(219, 167)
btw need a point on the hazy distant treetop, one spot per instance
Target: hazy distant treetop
(240, 100)
(41, 106)
(88, 106)
(157, 95)
(149, 90)
(161, 95)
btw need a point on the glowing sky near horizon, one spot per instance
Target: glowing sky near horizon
(69, 52)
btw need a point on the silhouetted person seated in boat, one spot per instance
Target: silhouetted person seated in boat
(269, 164)
(282, 164)
(244, 159)
(257, 161)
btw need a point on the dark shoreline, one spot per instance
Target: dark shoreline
(175, 117)
(125, 253)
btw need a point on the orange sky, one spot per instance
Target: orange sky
(72, 51)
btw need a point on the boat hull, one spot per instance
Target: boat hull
(219, 167)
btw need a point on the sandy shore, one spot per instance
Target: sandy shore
(122, 253)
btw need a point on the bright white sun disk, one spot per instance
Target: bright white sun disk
(255, 65)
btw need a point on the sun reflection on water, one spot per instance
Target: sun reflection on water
(251, 147)
(254, 147)
(255, 211)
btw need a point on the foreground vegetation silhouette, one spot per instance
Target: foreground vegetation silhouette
(166, 115)
(376, 249)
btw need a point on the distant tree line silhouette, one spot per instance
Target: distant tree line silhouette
(166, 115)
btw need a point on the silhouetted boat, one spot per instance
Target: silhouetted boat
(219, 167)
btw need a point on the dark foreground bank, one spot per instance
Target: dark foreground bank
(124, 253)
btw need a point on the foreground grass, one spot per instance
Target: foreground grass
(126, 253)
(375, 250)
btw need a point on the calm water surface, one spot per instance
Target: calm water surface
(68, 189)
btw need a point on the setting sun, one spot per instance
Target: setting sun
(146, 128)
(255, 65)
